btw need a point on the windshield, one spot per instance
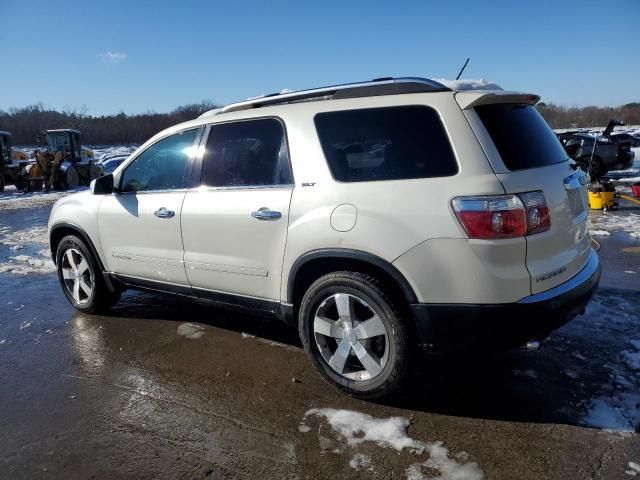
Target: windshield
(522, 137)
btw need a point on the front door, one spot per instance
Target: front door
(234, 225)
(140, 224)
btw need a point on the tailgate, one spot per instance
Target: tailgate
(554, 256)
(527, 156)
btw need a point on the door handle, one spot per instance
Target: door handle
(162, 212)
(265, 214)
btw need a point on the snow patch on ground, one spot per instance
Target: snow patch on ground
(26, 264)
(356, 428)
(619, 411)
(360, 460)
(190, 330)
(614, 222)
(13, 200)
(607, 415)
(25, 236)
(600, 233)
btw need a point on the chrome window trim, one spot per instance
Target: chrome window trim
(146, 192)
(206, 188)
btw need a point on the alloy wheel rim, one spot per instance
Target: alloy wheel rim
(76, 276)
(351, 337)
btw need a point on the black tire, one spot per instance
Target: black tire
(69, 179)
(369, 290)
(101, 299)
(19, 182)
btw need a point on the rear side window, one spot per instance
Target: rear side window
(522, 137)
(385, 144)
(247, 154)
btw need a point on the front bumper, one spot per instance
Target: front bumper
(455, 327)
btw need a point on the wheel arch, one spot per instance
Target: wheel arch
(312, 265)
(61, 230)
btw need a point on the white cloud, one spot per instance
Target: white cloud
(113, 57)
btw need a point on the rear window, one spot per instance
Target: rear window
(521, 135)
(385, 144)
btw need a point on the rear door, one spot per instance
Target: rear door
(235, 220)
(527, 156)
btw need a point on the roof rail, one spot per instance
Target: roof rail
(376, 87)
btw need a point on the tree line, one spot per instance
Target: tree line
(26, 123)
(559, 116)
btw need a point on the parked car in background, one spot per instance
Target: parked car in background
(110, 165)
(596, 155)
(377, 217)
(633, 141)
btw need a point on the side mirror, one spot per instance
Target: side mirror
(102, 185)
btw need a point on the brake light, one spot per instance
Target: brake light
(503, 216)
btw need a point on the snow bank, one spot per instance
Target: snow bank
(357, 428)
(469, 84)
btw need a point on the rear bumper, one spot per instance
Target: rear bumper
(454, 327)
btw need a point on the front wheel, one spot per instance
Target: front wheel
(70, 178)
(355, 334)
(81, 277)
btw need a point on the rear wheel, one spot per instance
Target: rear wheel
(355, 335)
(81, 277)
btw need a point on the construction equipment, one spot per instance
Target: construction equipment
(602, 196)
(63, 163)
(12, 162)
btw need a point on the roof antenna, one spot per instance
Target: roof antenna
(462, 69)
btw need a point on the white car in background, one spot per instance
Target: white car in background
(377, 217)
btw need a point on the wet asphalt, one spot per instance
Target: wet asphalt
(164, 388)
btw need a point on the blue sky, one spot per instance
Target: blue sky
(136, 56)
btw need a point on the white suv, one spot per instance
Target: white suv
(377, 217)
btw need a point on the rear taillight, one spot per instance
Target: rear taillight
(538, 219)
(503, 216)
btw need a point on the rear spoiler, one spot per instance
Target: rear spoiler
(474, 98)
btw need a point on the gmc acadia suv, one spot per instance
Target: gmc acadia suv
(377, 217)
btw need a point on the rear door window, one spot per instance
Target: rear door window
(249, 153)
(522, 137)
(385, 144)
